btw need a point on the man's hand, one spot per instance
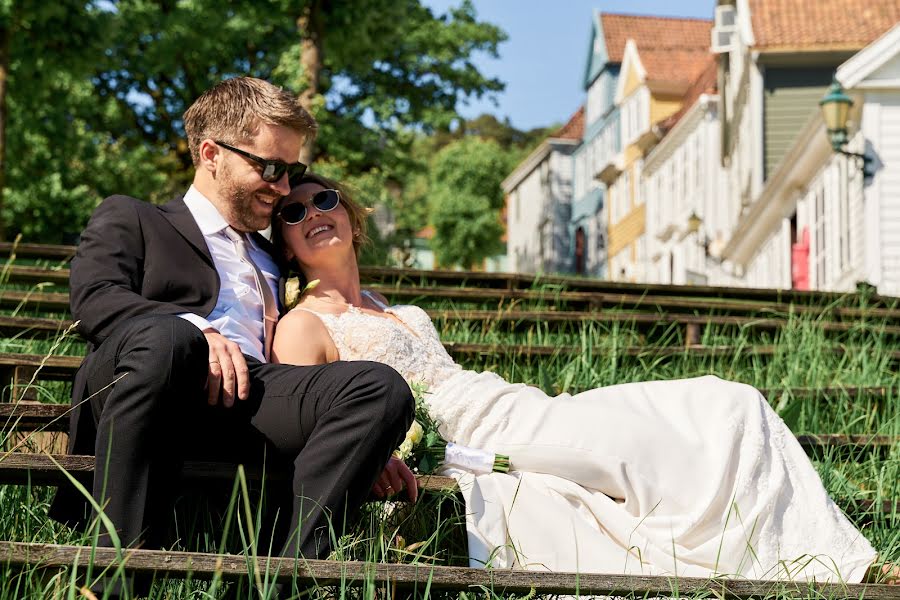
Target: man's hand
(395, 475)
(227, 369)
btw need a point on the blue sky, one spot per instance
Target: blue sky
(542, 62)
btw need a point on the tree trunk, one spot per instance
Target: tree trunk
(309, 25)
(4, 73)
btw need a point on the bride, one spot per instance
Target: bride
(694, 477)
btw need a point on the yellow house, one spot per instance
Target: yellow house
(658, 67)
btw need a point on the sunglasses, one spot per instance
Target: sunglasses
(272, 170)
(324, 201)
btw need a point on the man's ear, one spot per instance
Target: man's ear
(209, 153)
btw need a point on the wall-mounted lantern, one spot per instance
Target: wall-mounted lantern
(836, 111)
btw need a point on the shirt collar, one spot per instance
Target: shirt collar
(208, 218)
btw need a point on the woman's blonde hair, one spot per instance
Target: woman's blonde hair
(358, 214)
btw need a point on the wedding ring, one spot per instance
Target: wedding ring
(389, 489)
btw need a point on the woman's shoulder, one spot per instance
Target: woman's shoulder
(301, 337)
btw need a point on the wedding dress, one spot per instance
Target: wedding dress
(693, 477)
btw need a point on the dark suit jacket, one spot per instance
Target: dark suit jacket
(135, 258)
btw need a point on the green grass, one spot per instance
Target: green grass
(432, 530)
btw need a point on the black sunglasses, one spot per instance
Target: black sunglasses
(272, 170)
(324, 201)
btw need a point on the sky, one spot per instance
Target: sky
(542, 62)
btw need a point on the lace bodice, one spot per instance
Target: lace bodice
(411, 345)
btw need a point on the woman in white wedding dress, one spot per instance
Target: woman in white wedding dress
(693, 477)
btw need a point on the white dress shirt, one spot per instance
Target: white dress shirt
(238, 314)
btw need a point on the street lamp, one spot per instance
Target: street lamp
(694, 222)
(836, 110)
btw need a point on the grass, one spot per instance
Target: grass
(432, 531)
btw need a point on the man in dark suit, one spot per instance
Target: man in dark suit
(174, 300)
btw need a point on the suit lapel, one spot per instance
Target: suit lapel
(183, 221)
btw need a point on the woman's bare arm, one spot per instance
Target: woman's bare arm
(302, 339)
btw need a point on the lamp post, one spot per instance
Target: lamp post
(836, 110)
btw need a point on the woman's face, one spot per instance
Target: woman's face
(320, 233)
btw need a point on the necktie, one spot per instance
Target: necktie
(270, 307)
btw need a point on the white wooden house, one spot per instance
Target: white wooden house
(803, 215)
(538, 203)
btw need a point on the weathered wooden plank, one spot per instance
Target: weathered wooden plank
(51, 301)
(406, 576)
(641, 301)
(27, 274)
(42, 327)
(593, 300)
(52, 367)
(64, 367)
(47, 251)
(49, 328)
(40, 469)
(400, 276)
(29, 416)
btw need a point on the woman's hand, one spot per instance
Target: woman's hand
(395, 476)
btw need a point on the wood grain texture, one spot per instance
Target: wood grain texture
(417, 576)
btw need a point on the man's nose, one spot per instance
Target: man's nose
(282, 186)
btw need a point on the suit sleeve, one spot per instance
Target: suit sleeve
(107, 271)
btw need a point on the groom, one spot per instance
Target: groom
(177, 303)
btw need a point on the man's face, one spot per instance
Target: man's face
(246, 201)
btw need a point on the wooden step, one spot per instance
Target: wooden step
(422, 577)
(524, 320)
(45, 301)
(27, 274)
(417, 277)
(575, 301)
(44, 469)
(55, 368)
(31, 416)
(45, 251)
(597, 301)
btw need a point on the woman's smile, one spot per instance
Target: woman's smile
(318, 230)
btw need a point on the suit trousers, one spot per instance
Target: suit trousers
(336, 424)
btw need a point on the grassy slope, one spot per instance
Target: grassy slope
(432, 530)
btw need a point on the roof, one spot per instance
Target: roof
(652, 32)
(574, 129)
(674, 65)
(820, 24)
(705, 83)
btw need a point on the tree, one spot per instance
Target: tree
(386, 67)
(465, 200)
(96, 90)
(59, 155)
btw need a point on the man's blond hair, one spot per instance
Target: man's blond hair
(233, 110)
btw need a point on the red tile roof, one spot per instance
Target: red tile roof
(820, 24)
(658, 33)
(705, 83)
(672, 65)
(574, 129)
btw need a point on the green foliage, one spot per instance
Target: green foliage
(466, 198)
(97, 90)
